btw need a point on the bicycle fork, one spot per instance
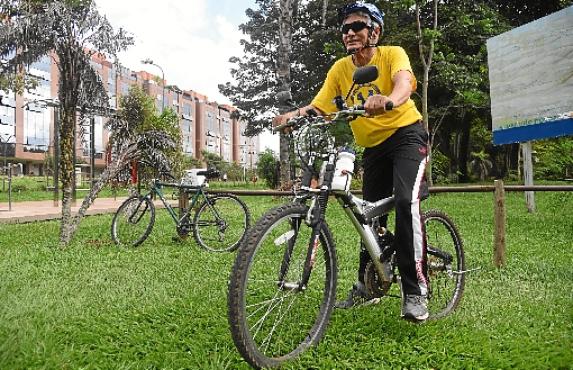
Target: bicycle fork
(315, 219)
(137, 213)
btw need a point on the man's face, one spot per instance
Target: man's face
(355, 32)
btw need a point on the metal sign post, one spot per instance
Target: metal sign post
(9, 186)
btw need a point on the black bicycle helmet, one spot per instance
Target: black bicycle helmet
(376, 15)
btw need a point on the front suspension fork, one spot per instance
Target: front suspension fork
(314, 219)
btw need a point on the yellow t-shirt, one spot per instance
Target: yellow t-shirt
(370, 131)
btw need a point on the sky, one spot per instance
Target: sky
(192, 41)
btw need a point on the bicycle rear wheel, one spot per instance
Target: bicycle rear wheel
(133, 221)
(272, 318)
(221, 223)
(446, 264)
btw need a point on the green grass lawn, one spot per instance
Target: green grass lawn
(163, 305)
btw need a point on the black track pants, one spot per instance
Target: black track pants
(397, 166)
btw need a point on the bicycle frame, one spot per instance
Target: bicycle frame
(360, 212)
(179, 221)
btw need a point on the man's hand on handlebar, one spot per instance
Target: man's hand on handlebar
(282, 119)
(378, 104)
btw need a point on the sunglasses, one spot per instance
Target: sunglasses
(356, 26)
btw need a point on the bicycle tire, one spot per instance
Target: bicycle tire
(257, 305)
(447, 279)
(129, 228)
(225, 230)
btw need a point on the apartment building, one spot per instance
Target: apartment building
(27, 121)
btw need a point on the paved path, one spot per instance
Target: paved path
(45, 210)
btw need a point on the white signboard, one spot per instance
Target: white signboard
(531, 80)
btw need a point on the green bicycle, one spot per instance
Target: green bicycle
(219, 224)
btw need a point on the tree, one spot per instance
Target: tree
(459, 91)
(267, 168)
(554, 158)
(426, 42)
(137, 134)
(215, 161)
(519, 12)
(456, 77)
(265, 69)
(74, 31)
(255, 74)
(284, 77)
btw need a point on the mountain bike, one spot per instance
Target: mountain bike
(282, 286)
(219, 223)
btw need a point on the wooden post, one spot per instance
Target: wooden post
(499, 224)
(183, 204)
(528, 174)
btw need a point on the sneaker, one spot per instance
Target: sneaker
(358, 296)
(415, 307)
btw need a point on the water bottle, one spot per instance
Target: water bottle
(343, 169)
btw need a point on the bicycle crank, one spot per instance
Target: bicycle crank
(375, 286)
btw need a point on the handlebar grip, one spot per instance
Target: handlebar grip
(388, 107)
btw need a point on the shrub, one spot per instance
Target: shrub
(440, 167)
(268, 168)
(28, 183)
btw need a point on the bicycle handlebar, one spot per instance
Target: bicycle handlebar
(353, 113)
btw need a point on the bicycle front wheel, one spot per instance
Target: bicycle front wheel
(273, 318)
(221, 223)
(446, 263)
(133, 221)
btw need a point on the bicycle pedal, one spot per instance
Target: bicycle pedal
(466, 271)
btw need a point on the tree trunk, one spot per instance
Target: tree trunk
(426, 63)
(124, 156)
(66, 171)
(69, 68)
(324, 9)
(283, 72)
(109, 172)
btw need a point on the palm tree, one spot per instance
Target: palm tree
(73, 31)
(137, 134)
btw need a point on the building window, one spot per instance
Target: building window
(37, 126)
(42, 68)
(98, 136)
(186, 109)
(111, 79)
(7, 112)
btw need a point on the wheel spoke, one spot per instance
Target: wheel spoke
(445, 256)
(279, 318)
(220, 223)
(133, 221)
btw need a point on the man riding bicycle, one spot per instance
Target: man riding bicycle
(395, 143)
